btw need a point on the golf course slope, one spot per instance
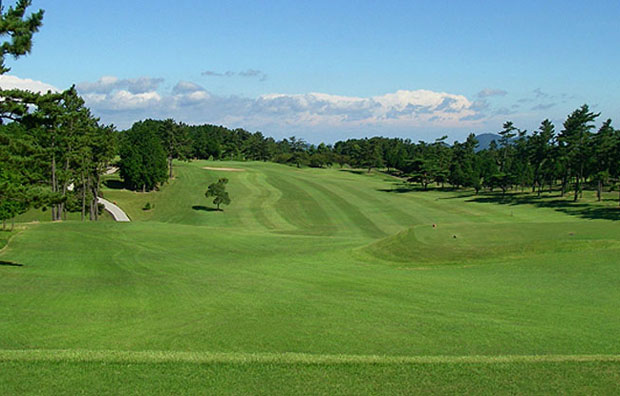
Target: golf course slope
(312, 281)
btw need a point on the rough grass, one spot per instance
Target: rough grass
(305, 265)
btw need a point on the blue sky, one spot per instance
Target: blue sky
(327, 70)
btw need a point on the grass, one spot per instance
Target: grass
(314, 281)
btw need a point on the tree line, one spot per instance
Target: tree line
(576, 156)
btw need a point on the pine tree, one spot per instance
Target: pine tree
(218, 190)
(576, 146)
(19, 29)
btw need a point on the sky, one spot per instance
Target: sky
(330, 70)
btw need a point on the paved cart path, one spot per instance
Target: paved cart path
(115, 211)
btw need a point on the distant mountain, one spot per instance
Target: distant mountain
(485, 139)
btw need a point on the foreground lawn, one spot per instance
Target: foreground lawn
(322, 263)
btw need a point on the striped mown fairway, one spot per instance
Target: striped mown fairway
(312, 281)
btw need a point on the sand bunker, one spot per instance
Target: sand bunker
(224, 169)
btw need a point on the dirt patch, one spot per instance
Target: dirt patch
(223, 169)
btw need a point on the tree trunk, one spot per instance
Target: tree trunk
(170, 167)
(577, 187)
(54, 186)
(83, 196)
(564, 182)
(65, 186)
(599, 191)
(91, 212)
(96, 197)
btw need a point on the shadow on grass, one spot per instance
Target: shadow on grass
(354, 171)
(115, 184)
(205, 208)
(580, 209)
(403, 188)
(400, 189)
(554, 201)
(10, 264)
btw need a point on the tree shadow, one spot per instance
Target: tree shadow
(354, 171)
(403, 188)
(579, 209)
(205, 208)
(400, 190)
(10, 264)
(548, 200)
(115, 184)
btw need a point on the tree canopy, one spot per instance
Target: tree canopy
(218, 190)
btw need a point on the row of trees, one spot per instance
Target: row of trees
(577, 155)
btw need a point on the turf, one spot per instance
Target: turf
(318, 263)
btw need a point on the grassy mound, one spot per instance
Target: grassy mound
(466, 243)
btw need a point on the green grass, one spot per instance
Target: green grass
(315, 281)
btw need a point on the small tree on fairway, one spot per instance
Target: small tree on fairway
(218, 190)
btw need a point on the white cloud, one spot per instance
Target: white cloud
(278, 112)
(14, 82)
(107, 84)
(403, 107)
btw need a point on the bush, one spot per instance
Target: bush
(147, 206)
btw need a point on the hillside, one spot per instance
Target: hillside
(323, 281)
(485, 139)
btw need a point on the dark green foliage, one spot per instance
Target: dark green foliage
(55, 149)
(143, 162)
(175, 141)
(574, 141)
(19, 29)
(218, 190)
(147, 206)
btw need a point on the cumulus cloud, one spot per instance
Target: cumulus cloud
(122, 100)
(115, 101)
(487, 92)
(26, 84)
(401, 108)
(251, 73)
(184, 87)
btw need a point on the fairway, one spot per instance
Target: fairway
(332, 281)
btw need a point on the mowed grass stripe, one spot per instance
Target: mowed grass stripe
(376, 204)
(264, 202)
(81, 355)
(350, 211)
(299, 208)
